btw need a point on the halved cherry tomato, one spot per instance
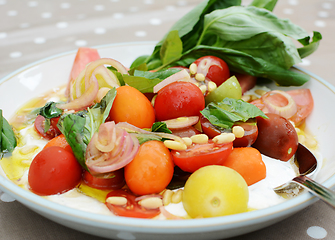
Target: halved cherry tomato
(277, 137)
(132, 208)
(302, 97)
(185, 132)
(151, 170)
(200, 155)
(115, 180)
(213, 68)
(53, 130)
(54, 170)
(250, 131)
(247, 82)
(178, 99)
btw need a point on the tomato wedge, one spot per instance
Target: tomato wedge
(200, 155)
(115, 180)
(53, 130)
(132, 208)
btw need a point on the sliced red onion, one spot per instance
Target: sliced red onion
(84, 100)
(182, 75)
(108, 76)
(181, 122)
(132, 129)
(286, 111)
(121, 146)
(169, 215)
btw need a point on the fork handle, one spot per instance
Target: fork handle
(322, 192)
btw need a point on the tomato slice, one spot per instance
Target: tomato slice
(200, 155)
(115, 180)
(132, 208)
(53, 130)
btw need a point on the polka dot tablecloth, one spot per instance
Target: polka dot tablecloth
(32, 30)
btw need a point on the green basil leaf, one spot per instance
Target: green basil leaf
(309, 48)
(160, 127)
(139, 61)
(267, 4)
(7, 138)
(225, 113)
(172, 48)
(49, 110)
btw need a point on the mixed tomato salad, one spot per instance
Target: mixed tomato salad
(187, 124)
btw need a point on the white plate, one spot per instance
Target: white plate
(37, 78)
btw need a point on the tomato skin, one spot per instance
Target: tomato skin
(200, 155)
(54, 170)
(178, 99)
(132, 208)
(185, 132)
(218, 72)
(132, 106)
(250, 131)
(277, 137)
(151, 170)
(53, 130)
(114, 181)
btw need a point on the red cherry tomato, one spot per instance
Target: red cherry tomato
(178, 99)
(277, 137)
(53, 130)
(250, 131)
(132, 208)
(213, 68)
(54, 170)
(200, 155)
(115, 180)
(185, 132)
(247, 82)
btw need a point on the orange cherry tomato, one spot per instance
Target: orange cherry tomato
(59, 141)
(151, 170)
(132, 106)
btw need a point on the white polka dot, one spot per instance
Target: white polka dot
(327, 5)
(317, 232)
(100, 31)
(62, 25)
(46, 15)
(7, 198)
(320, 23)
(39, 40)
(305, 62)
(15, 54)
(99, 7)
(323, 14)
(32, 4)
(80, 43)
(3, 35)
(12, 13)
(155, 21)
(118, 15)
(288, 11)
(293, 2)
(148, 2)
(140, 34)
(24, 25)
(170, 8)
(133, 9)
(114, 0)
(65, 5)
(182, 3)
(3, 2)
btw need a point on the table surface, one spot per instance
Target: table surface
(32, 30)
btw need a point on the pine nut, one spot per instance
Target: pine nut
(211, 86)
(167, 196)
(119, 201)
(193, 68)
(177, 196)
(224, 138)
(302, 138)
(238, 131)
(28, 149)
(246, 98)
(203, 88)
(200, 77)
(174, 145)
(151, 202)
(260, 92)
(199, 138)
(187, 141)
(310, 142)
